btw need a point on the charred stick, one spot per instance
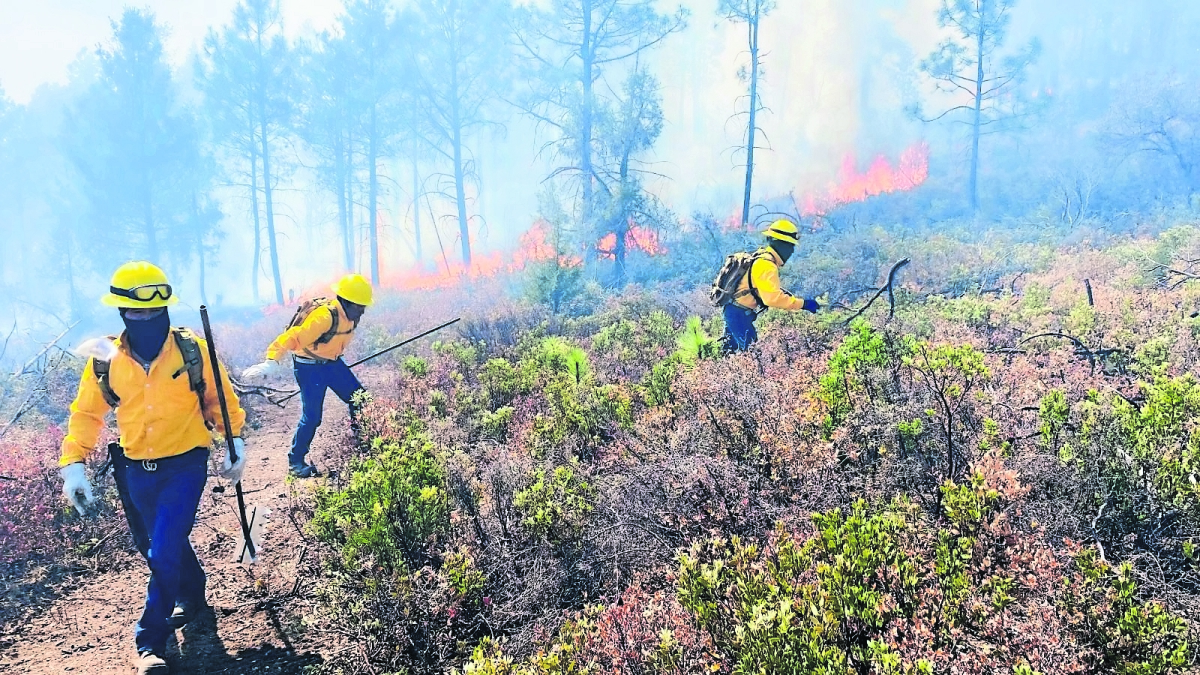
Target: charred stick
(888, 288)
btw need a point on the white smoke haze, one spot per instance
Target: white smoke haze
(838, 81)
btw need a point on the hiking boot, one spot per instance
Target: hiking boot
(185, 611)
(149, 663)
(304, 471)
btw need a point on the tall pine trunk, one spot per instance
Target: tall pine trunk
(753, 126)
(343, 215)
(373, 195)
(460, 188)
(977, 124)
(416, 208)
(257, 264)
(586, 121)
(271, 242)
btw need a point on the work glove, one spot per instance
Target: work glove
(76, 487)
(265, 370)
(232, 472)
(811, 305)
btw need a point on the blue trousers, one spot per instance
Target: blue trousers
(739, 329)
(166, 499)
(314, 379)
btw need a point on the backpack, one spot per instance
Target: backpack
(725, 286)
(193, 365)
(307, 308)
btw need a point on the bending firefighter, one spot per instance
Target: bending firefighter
(316, 337)
(160, 382)
(748, 284)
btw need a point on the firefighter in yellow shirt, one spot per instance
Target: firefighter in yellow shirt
(761, 288)
(317, 338)
(161, 384)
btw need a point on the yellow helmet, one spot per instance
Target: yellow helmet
(139, 285)
(783, 230)
(355, 288)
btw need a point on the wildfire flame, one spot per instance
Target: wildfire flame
(881, 178)
(637, 238)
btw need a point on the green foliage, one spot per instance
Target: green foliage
(415, 366)
(461, 572)
(808, 607)
(1053, 413)
(630, 340)
(577, 407)
(503, 381)
(861, 350)
(910, 433)
(973, 310)
(495, 424)
(1081, 322)
(556, 357)
(695, 343)
(1162, 437)
(439, 403)
(656, 384)
(463, 353)
(393, 504)
(1133, 637)
(1151, 356)
(555, 507)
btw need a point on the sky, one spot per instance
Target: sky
(40, 38)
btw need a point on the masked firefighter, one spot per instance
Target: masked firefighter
(316, 338)
(160, 382)
(749, 283)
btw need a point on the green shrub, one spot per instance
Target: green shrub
(770, 613)
(504, 382)
(495, 424)
(1133, 637)
(862, 349)
(554, 507)
(416, 366)
(394, 503)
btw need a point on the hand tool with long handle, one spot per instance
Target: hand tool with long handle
(248, 541)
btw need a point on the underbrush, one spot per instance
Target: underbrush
(999, 479)
(999, 475)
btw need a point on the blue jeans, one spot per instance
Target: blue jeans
(314, 379)
(166, 500)
(739, 329)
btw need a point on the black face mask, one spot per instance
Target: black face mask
(146, 338)
(784, 249)
(354, 311)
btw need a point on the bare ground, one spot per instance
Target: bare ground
(254, 625)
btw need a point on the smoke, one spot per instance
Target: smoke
(837, 82)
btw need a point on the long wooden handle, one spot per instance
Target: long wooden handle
(216, 367)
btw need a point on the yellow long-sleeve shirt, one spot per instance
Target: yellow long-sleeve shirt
(302, 339)
(159, 414)
(764, 273)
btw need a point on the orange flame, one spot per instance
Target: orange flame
(637, 238)
(881, 178)
(534, 246)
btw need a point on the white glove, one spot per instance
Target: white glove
(76, 487)
(233, 472)
(267, 369)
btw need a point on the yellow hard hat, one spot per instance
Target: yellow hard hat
(783, 230)
(355, 288)
(139, 285)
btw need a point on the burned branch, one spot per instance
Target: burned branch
(889, 288)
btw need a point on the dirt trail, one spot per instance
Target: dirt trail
(251, 628)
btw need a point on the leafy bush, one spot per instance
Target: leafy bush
(394, 506)
(555, 507)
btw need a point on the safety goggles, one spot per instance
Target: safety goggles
(145, 293)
